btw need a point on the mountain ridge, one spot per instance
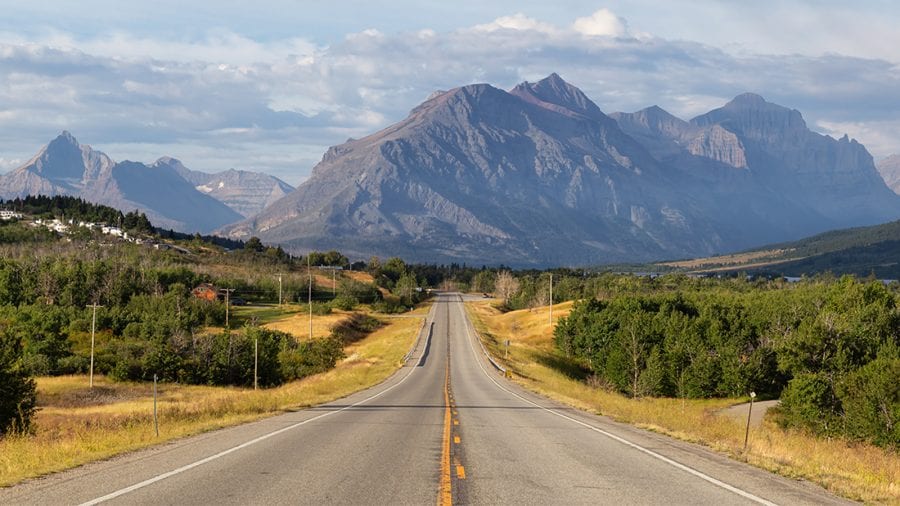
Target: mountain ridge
(540, 175)
(160, 190)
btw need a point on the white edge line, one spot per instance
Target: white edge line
(635, 446)
(150, 481)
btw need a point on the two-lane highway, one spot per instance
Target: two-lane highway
(420, 439)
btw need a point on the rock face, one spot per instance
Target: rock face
(540, 175)
(890, 172)
(246, 192)
(65, 167)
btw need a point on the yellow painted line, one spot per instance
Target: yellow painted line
(456, 439)
(461, 472)
(445, 497)
(456, 412)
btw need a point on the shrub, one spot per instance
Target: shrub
(810, 401)
(17, 389)
(871, 402)
(345, 302)
(321, 308)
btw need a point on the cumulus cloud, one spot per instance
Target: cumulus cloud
(226, 100)
(603, 23)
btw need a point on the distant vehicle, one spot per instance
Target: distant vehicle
(486, 296)
(237, 301)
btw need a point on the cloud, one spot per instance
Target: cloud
(603, 23)
(516, 22)
(226, 100)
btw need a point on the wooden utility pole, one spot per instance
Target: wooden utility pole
(227, 302)
(551, 301)
(279, 290)
(309, 274)
(93, 331)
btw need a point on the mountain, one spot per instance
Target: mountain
(65, 167)
(243, 191)
(539, 175)
(535, 175)
(890, 172)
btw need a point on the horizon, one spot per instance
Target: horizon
(270, 88)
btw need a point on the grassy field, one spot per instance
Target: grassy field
(856, 471)
(76, 425)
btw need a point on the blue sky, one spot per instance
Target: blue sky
(269, 85)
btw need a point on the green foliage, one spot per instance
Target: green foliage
(809, 401)
(17, 389)
(870, 398)
(321, 308)
(827, 348)
(301, 359)
(13, 232)
(345, 302)
(362, 292)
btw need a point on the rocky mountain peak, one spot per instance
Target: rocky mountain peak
(553, 90)
(890, 172)
(757, 119)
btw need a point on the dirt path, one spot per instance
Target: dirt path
(760, 408)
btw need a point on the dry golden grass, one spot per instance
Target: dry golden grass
(751, 259)
(297, 323)
(361, 276)
(856, 471)
(75, 425)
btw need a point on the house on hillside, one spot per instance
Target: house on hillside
(6, 214)
(206, 291)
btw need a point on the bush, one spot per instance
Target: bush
(871, 402)
(345, 302)
(17, 390)
(810, 401)
(389, 306)
(321, 308)
(299, 360)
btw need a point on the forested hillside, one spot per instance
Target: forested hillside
(829, 349)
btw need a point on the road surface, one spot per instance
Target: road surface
(446, 428)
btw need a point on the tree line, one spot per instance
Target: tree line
(830, 350)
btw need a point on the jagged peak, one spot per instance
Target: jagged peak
(168, 160)
(67, 136)
(556, 91)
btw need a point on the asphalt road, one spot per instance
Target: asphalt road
(420, 439)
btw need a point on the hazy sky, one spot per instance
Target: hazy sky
(269, 85)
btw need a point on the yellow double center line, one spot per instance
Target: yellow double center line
(446, 497)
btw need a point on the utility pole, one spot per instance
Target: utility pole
(309, 274)
(93, 330)
(227, 304)
(279, 290)
(551, 301)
